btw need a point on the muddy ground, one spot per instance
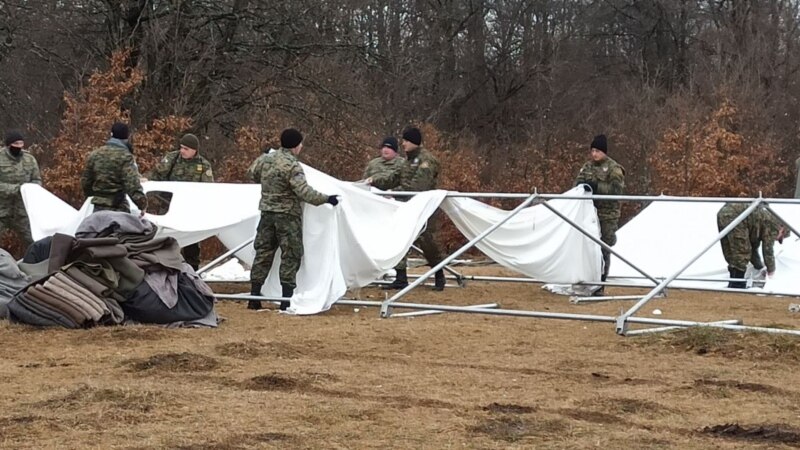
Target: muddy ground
(347, 379)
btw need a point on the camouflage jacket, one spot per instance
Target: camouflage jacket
(385, 174)
(283, 183)
(174, 168)
(110, 174)
(421, 173)
(14, 172)
(609, 177)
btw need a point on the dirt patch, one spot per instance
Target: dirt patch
(174, 362)
(591, 416)
(618, 405)
(774, 434)
(746, 387)
(514, 429)
(508, 408)
(273, 382)
(724, 343)
(253, 349)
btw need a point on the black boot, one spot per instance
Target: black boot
(255, 289)
(286, 292)
(400, 281)
(601, 291)
(439, 281)
(739, 274)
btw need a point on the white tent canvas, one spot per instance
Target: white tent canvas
(358, 241)
(665, 236)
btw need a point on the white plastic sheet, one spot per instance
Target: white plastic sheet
(535, 242)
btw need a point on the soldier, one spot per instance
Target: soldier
(420, 174)
(741, 244)
(283, 189)
(111, 173)
(385, 172)
(603, 176)
(185, 164)
(17, 167)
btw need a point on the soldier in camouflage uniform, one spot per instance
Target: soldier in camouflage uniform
(385, 172)
(185, 164)
(420, 174)
(111, 173)
(283, 189)
(603, 176)
(17, 167)
(741, 245)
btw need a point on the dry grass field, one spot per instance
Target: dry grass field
(347, 379)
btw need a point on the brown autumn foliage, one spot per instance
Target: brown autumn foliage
(711, 157)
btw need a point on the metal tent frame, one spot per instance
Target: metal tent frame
(621, 322)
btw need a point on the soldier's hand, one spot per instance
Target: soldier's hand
(368, 181)
(333, 200)
(143, 180)
(590, 186)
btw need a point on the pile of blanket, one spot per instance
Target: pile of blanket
(115, 269)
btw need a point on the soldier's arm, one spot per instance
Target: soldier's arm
(389, 179)
(614, 185)
(297, 181)
(254, 171)
(159, 173)
(367, 171)
(133, 187)
(36, 176)
(87, 177)
(755, 258)
(582, 177)
(422, 179)
(768, 236)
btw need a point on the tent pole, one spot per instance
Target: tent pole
(386, 304)
(602, 244)
(675, 328)
(621, 320)
(225, 256)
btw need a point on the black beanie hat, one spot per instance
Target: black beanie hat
(291, 138)
(13, 136)
(120, 131)
(413, 135)
(390, 142)
(599, 142)
(191, 141)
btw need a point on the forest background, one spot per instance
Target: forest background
(696, 97)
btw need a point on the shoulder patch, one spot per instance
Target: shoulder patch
(209, 173)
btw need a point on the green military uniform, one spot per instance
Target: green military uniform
(386, 174)
(15, 171)
(283, 189)
(109, 175)
(741, 245)
(174, 168)
(421, 173)
(607, 177)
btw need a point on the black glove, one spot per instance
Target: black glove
(590, 185)
(333, 200)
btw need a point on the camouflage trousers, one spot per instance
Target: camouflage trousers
(608, 234)
(427, 243)
(20, 224)
(278, 230)
(736, 247)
